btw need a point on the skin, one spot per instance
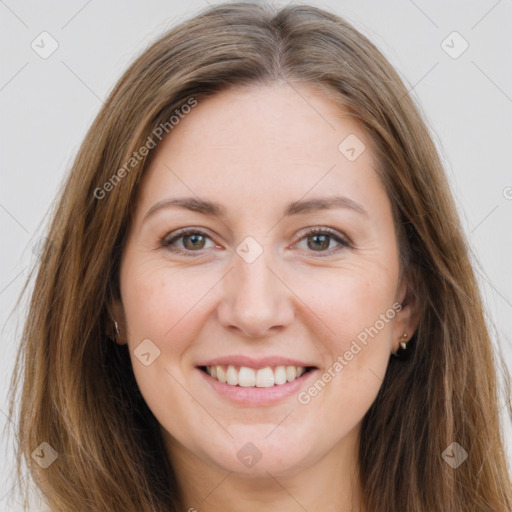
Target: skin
(255, 150)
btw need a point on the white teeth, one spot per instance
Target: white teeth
(280, 375)
(232, 376)
(291, 373)
(247, 377)
(265, 378)
(221, 374)
(251, 377)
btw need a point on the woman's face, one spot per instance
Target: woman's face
(249, 294)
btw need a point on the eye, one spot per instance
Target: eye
(191, 240)
(319, 240)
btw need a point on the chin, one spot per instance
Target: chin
(258, 454)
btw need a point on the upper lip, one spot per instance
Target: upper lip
(250, 362)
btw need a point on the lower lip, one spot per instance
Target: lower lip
(257, 396)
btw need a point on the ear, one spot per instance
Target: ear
(117, 314)
(408, 317)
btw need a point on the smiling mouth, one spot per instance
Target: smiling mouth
(243, 376)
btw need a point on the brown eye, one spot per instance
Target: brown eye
(185, 241)
(192, 242)
(319, 241)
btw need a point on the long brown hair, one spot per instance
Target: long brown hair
(78, 391)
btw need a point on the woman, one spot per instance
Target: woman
(257, 293)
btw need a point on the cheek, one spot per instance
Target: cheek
(163, 305)
(160, 307)
(357, 312)
(349, 302)
(160, 303)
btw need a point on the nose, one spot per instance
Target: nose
(256, 301)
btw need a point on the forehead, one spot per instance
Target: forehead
(269, 144)
(273, 120)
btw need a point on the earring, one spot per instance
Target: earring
(116, 327)
(402, 352)
(113, 335)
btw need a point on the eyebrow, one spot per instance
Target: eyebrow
(214, 209)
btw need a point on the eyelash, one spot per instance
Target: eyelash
(167, 242)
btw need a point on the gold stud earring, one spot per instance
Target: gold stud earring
(403, 344)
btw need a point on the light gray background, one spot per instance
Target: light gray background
(46, 106)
